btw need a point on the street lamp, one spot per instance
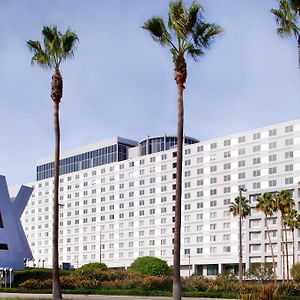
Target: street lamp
(100, 245)
(189, 256)
(242, 189)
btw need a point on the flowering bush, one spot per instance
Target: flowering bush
(35, 284)
(77, 281)
(157, 283)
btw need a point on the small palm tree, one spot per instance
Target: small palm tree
(266, 204)
(187, 35)
(292, 220)
(57, 48)
(234, 208)
(287, 19)
(284, 204)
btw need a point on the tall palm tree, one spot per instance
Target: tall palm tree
(187, 35)
(287, 19)
(58, 47)
(284, 204)
(292, 220)
(265, 204)
(234, 208)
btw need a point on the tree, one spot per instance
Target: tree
(265, 204)
(284, 204)
(58, 47)
(292, 220)
(188, 35)
(287, 19)
(234, 208)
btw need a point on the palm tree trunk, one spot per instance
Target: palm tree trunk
(177, 233)
(56, 291)
(293, 236)
(287, 255)
(298, 44)
(282, 251)
(272, 251)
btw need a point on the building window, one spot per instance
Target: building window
(242, 163)
(213, 203)
(272, 145)
(227, 166)
(256, 185)
(256, 136)
(227, 143)
(256, 173)
(242, 139)
(289, 154)
(213, 146)
(256, 160)
(289, 129)
(272, 132)
(226, 249)
(256, 148)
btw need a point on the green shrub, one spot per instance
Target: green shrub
(91, 267)
(195, 284)
(295, 271)
(289, 290)
(149, 265)
(224, 282)
(261, 292)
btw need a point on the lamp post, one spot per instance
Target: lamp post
(189, 256)
(240, 237)
(100, 251)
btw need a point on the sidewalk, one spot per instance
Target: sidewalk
(90, 297)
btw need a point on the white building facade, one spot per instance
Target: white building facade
(117, 200)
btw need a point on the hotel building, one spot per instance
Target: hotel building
(117, 200)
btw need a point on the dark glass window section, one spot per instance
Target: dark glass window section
(157, 144)
(3, 247)
(102, 156)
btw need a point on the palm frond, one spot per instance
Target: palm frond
(192, 51)
(158, 31)
(57, 47)
(34, 46)
(234, 207)
(39, 57)
(194, 14)
(178, 18)
(210, 33)
(286, 20)
(52, 42)
(68, 43)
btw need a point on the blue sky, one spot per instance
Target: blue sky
(121, 82)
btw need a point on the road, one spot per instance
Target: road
(91, 297)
